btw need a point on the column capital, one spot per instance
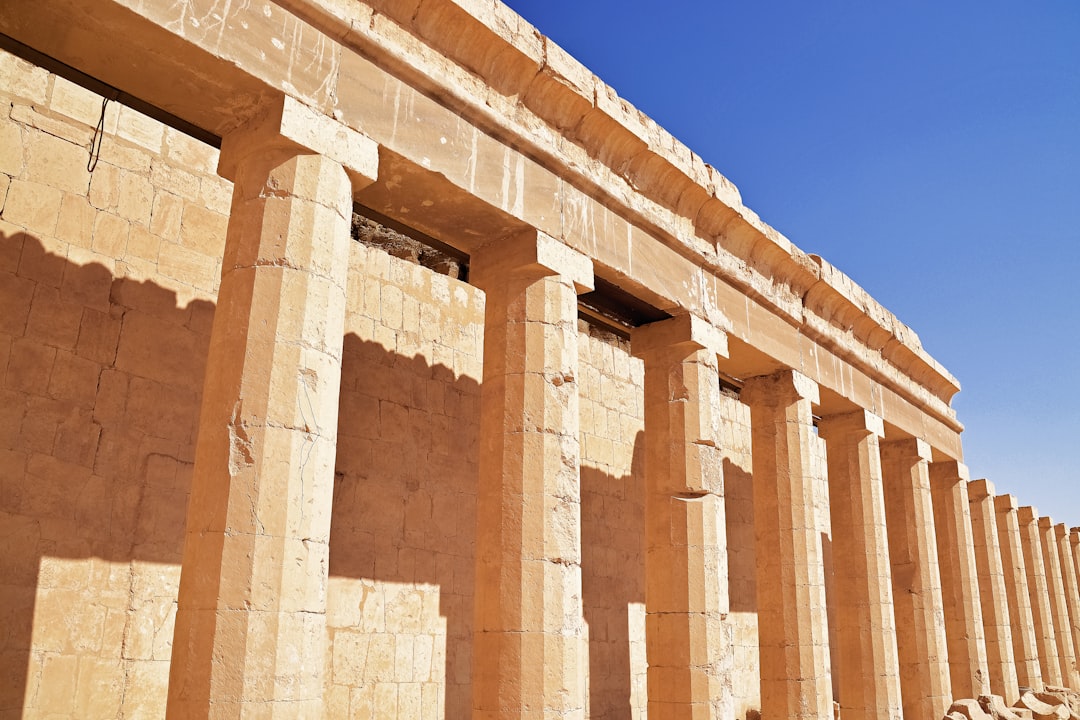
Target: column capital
(1006, 503)
(1046, 522)
(530, 252)
(913, 446)
(1061, 530)
(949, 471)
(686, 329)
(1028, 514)
(980, 489)
(862, 422)
(288, 124)
(786, 384)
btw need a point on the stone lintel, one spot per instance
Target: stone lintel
(530, 251)
(1006, 503)
(288, 122)
(980, 490)
(682, 330)
(786, 383)
(859, 421)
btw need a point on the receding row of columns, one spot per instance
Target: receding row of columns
(940, 588)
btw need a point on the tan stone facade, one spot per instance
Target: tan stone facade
(637, 456)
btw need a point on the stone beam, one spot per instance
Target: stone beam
(492, 188)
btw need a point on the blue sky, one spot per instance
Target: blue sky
(930, 150)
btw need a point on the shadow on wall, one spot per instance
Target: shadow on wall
(403, 532)
(100, 382)
(613, 578)
(99, 399)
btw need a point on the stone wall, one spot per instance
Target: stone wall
(107, 288)
(109, 280)
(577, 561)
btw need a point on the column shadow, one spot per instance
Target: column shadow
(100, 385)
(404, 516)
(613, 579)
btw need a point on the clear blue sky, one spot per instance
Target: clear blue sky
(930, 150)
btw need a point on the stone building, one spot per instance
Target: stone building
(373, 359)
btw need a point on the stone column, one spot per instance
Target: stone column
(796, 682)
(959, 580)
(1072, 593)
(1074, 541)
(1055, 585)
(920, 617)
(530, 651)
(1025, 650)
(250, 627)
(869, 669)
(686, 584)
(1045, 638)
(995, 604)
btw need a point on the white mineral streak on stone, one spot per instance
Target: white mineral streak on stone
(470, 167)
(519, 188)
(504, 190)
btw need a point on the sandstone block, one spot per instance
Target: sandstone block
(33, 205)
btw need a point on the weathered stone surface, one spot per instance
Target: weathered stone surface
(357, 548)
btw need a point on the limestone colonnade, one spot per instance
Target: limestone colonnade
(925, 586)
(941, 588)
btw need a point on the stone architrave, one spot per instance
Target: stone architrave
(530, 650)
(686, 584)
(1045, 637)
(959, 580)
(250, 629)
(1025, 649)
(1072, 592)
(866, 653)
(796, 681)
(920, 617)
(995, 604)
(1059, 611)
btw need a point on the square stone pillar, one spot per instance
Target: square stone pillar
(687, 642)
(1074, 541)
(1059, 611)
(1072, 592)
(995, 604)
(866, 654)
(250, 628)
(1025, 650)
(959, 580)
(530, 653)
(1045, 637)
(920, 617)
(796, 681)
